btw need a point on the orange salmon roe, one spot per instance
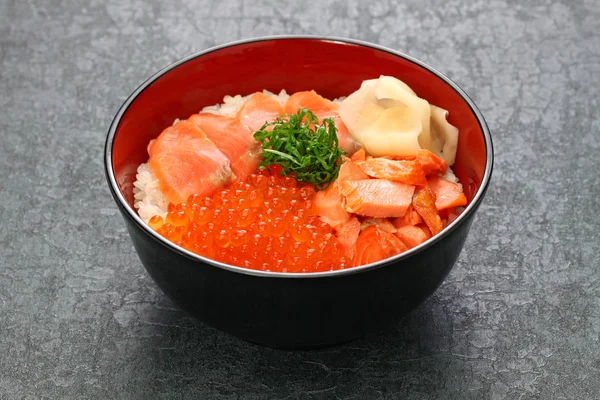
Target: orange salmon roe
(267, 222)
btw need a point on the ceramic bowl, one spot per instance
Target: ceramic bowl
(292, 310)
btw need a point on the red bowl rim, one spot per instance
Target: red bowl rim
(132, 214)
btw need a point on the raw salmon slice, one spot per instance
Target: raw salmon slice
(380, 198)
(323, 108)
(310, 100)
(405, 171)
(412, 236)
(185, 162)
(375, 244)
(259, 109)
(234, 139)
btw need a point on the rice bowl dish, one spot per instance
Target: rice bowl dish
(292, 309)
(379, 202)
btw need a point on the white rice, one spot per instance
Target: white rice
(149, 200)
(231, 104)
(452, 178)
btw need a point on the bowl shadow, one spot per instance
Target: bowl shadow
(187, 358)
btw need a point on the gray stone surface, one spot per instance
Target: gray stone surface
(518, 318)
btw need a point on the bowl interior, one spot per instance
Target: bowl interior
(332, 68)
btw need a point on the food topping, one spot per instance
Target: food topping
(267, 223)
(268, 186)
(303, 147)
(388, 118)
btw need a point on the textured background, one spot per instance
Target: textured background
(518, 318)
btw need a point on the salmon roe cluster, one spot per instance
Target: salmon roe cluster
(267, 222)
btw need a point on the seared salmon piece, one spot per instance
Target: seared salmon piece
(424, 203)
(347, 235)
(447, 194)
(380, 198)
(350, 171)
(329, 206)
(329, 201)
(405, 171)
(411, 217)
(412, 236)
(431, 163)
(375, 244)
(381, 223)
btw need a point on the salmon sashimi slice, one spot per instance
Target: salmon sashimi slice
(447, 194)
(310, 100)
(234, 139)
(405, 171)
(412, 236)
(424, 203)
(259, 109)
(379, 198)
(329, 206)
(411, 217)
(347, 235)
(375, 244)
(350, 171)
(381, 223)
(186, 162)
(323, 108)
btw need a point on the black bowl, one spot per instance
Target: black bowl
(292, 310)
